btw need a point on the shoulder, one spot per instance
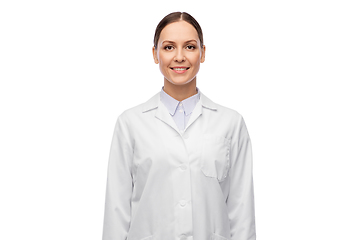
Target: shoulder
(234, 116)
(234, 122)
(228, 111)
(136, 112)
(128, 115)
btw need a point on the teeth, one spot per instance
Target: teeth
(179, 69)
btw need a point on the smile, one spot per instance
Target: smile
(179, 70)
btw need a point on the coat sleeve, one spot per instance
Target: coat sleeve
(240, 201)
(117, 215)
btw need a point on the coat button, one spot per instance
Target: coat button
(183, 203)
(183, 167)
(183, 237)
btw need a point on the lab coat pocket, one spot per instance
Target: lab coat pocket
(217, 237)
(215, 156)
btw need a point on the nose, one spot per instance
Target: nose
(179, 56)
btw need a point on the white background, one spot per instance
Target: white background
(69, 68)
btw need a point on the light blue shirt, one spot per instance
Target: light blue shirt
(180, 110)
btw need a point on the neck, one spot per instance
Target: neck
(180, 92)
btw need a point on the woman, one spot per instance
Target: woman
(180, 165)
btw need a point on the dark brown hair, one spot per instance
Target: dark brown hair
(175, 17)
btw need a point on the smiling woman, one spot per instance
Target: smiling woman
(180, 165)
(179, 50)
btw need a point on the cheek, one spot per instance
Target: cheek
(164, 59)
(195, 59)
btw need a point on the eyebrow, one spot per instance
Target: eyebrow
(174, 42)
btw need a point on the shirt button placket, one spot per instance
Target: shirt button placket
(181, 115)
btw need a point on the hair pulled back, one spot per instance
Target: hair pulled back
(176, 17)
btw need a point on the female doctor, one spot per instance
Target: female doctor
(180, 165)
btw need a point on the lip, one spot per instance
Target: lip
(179, 67)
(179, 72)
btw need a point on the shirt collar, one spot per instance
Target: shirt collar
(153, 102)
(172, 104)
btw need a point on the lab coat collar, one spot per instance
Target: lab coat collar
(154, 102)
(162, 112)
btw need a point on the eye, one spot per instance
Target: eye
(191, 47)
(168, 47)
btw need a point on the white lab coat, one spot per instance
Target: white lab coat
(165, 184)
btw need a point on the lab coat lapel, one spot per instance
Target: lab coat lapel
(162, 112)
(196, 113)
(204, 102)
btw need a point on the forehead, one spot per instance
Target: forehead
(178, 31)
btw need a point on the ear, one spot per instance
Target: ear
(155, 55)
(203, 54)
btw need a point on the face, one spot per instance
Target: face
(179, 53)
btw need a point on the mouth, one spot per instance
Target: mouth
(180, 70)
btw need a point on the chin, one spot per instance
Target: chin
(180, 82)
